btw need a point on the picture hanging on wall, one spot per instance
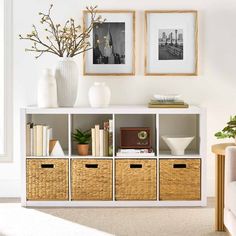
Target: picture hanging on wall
(112, 44)
(171, 43)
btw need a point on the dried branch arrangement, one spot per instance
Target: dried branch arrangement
(64, 41)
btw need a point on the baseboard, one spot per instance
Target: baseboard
(10, 188)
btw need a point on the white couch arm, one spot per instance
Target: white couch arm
(230, 164)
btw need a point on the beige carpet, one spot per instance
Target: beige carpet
(142, 221)
(18, 221)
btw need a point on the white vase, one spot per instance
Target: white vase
(67, 81)
(47, 90)
(99, 95)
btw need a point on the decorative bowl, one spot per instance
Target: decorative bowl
(177, 143)
(166, 97)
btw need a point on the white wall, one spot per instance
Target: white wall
(214, 88)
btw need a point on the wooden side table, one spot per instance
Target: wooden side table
(219, 151)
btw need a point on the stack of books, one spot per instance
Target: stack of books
(167, 104)
(38, 139)
(135, 153)
(102, 140)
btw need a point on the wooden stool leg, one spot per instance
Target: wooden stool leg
(220, 182)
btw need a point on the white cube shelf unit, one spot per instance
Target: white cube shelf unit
(190, 122)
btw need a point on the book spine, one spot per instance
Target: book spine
(101, 139)
(110, 138)
(31, 141)
(35, 140)
(93, 142)
(97, 145)
(106, 143)
(49, 137)
(45, 128)
(28, 140)
(39, 144)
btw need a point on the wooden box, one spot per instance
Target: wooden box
(135, 137)
(47, 179)
(135, 179)
(180, 179)
(91, 179)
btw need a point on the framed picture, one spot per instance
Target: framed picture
(171, 39)
(113, 44)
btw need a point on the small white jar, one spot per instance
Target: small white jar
(47, 90)
(99, 95)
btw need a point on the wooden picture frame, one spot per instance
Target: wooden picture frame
(182, 70)
(127, 66)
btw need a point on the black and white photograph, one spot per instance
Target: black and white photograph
(112, 44)
(170, 44)
(109, 43)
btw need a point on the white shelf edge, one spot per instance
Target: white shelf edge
(131, 203)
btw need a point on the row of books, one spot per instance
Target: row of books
(102, 139)
(167, 104)
(37, 139)
(135, 153)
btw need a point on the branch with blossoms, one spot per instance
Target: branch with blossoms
(66, 40)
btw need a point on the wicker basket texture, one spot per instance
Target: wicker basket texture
(136, 179)
(180, 179)
(91, 179)
(47, 179)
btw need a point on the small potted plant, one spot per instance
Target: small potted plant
(229, 131)
(83, 139)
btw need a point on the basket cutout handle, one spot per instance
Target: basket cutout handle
(47, 166)
(93, 166)
(179, 166)
(136, 166)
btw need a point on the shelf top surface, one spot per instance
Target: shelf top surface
(114, 109)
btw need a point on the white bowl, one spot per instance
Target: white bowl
(177, 143)
(166, 97)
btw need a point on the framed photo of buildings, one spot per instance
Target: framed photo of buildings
(113, 44)
(171, 39)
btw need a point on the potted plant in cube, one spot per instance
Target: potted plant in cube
(83, 139)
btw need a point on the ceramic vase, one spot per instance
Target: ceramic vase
(67, 82)
(99, 95)
(47, 90)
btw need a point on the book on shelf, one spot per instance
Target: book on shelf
(37, 139)
(135, 153)
(97, 139)
(102, 140)
(119, 154)
(185, 105)
(93, 139)
(162, 102)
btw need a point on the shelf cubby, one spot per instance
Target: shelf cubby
(179, 124)
(135, 120)
(59, 125)
(86, 122)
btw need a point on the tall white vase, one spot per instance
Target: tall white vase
(47, 90)
(67, 81)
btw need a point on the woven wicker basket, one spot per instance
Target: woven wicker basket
(91, 179)
(180, 179)
(47, 179)
(135, 179)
